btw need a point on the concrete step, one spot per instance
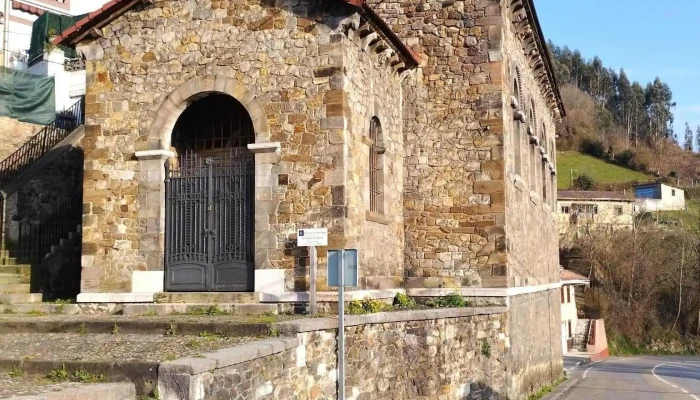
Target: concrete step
(13, 278)
(103, 391)
(20, 298)
(14, 288)
(188, 308)
(207, 297)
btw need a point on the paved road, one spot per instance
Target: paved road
(637, 378)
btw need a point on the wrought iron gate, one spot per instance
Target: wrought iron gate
(209, 222)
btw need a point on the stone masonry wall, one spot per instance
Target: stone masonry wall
(286, 65)
(534, 330)
(530, 199)
(454, 188)
(459, 357)
(375, 91)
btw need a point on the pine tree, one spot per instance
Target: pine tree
(688, 139)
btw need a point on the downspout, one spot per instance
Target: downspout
(6, 32)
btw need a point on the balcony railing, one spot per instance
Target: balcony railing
(47, 138)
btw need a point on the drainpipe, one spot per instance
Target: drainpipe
(6, 32)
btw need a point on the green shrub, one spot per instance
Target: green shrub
(584, 182)
(58, 375)
(366, 306)
(401, 300)
(593, 147)
(451, 300)
(485, 348)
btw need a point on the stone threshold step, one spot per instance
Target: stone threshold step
(13, 278)
(206, 297)
(16, 269)
(14, 288)
(141, 327)
(103, 391)
(22, 298)
(184, 308)
(142, 375)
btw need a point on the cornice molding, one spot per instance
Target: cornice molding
(529, 33)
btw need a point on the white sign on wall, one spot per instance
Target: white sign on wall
(312, 237)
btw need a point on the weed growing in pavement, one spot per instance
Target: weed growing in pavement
(17, 371)
(62, 301)
(263, 319)
(546, 390)
(83, 376)
(115, 329)
(36, 313)
(194, 344)
(154, 395)
(274, 331)
(58, 309)
(366, 306)
(58, 375)
(208, 336)
(151, 313)
(81, 328)
(170, 357)
(212, 310)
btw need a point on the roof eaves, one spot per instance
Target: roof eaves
(95, 20)
(545, 53)
(410, 58)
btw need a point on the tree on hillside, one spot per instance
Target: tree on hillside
(688, 138)
(697, 138)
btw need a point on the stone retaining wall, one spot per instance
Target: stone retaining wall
(450, 353)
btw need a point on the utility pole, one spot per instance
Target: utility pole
(5, 32)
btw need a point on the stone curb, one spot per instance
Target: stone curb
(317, 324)
(106, 391)
(228, 356)
(562, 389)
(169, 308)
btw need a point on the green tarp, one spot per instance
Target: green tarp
(46, 25)
(26, 97)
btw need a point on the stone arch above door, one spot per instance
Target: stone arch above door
(159, 136)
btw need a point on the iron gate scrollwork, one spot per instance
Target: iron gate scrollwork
(209, 222)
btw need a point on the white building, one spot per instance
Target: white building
(569, 313)
(18, 17)
(659, 197)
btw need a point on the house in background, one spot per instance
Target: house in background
(569, 313)
(594, 209)
(16, 30)
(659, 197)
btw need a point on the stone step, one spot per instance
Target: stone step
(185, 308)
(13, 278)
(8, 261)
(4, 253)
(14, 288)
(20, 269)
(207, 297)
(21, 298)
(103, 391)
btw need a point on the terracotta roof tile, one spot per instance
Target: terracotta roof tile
(27, 8)
(568, 275)
(94, 18)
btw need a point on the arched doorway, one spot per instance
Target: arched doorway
(210, 192)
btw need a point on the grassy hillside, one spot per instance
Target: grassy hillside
(599, 170)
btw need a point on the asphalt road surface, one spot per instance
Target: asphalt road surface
(637, 378)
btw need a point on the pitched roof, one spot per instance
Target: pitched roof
(110, 11)
(27, 8)
(593, 195)
(96, 19)
(567, 275)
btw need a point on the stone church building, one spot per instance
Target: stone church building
(420, 132)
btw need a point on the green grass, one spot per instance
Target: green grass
(601, 171)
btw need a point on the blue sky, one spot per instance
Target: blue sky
(648, 38)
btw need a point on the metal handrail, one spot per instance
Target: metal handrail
(36, 239)
(46, 139)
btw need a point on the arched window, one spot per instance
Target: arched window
(376, 179)
(534, 156)
(516, 131)
(545, 171)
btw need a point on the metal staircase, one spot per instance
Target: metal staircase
(38, 239)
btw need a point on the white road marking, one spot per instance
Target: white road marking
(653, 372)
(586, 373)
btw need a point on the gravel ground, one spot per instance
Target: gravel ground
(28, 385)
(108, 347)
(233, 319)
